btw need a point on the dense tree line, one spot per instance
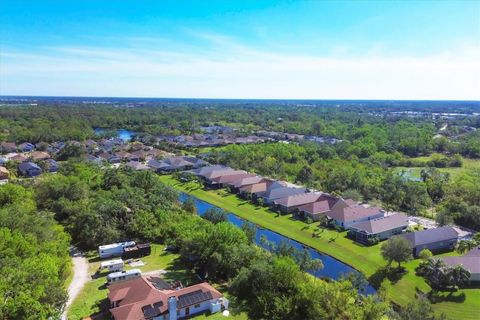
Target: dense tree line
(98, 207)
(364, 132)
(330, 169)
(34, 260)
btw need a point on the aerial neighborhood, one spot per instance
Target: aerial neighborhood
(240, 160)
(133, 294)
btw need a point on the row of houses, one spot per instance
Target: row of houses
(27, 164)
(296, 200)
(209, 140)
(365, 224)
(284, 136)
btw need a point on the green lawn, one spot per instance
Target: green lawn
(365, 259)
(93, 296)
(454, 172)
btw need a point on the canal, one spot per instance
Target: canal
(333, 268)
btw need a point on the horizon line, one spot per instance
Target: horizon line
(233, 99)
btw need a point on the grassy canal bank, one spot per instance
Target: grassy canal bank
(463, 304)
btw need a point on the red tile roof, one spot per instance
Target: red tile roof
(353, 212)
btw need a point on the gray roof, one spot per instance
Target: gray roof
(475, 252)
(379, 225)
(471, 263)
(24, 166)
(207, 170)
(282, 192)
(430, 236)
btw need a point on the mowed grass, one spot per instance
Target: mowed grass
(93, 297)
(468, 164)
(367, 260)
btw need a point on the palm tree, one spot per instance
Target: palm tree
(435, 272)
(458, 276)
(466, 245)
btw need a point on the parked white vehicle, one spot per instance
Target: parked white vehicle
(123, 275)
(114, 249)
(114, 265)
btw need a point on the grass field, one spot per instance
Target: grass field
(468, 164)
(368, 260)
(92, 298)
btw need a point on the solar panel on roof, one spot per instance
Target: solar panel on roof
(157, 306)
(148, 311)
(193, 298)
(159, 283)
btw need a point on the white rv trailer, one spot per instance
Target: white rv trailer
(114, 249)
(123, 275)
(112, 265)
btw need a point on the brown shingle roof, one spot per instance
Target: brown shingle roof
(231, 177)
(246, 181)
(298, 199)
(354, 212)
(39, 155)
(133, 295)
(382, 224)
(255, 188)
(323, 205)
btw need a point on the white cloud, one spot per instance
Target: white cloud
(227, 69)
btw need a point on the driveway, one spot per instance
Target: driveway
(80, 277)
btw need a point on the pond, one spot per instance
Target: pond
(124, 134)
(333, 268)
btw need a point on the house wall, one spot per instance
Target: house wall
(445, 245)
(314, 217)
(202, 307)
(389, 233)
(363, 237)
(475, 277)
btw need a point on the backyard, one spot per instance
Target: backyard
(92, 298)
(463, 304)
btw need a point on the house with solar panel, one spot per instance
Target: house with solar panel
(150, 297)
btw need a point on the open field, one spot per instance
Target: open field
(468, 164)
(368, 260)
(94, 294)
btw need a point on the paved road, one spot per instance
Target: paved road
(80, 277)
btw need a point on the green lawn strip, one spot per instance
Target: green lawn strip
(367, 260)
(88, 300)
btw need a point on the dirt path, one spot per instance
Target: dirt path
(80, 277)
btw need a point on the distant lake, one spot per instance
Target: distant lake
(124, 134)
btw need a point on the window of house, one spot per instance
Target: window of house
(197, 305)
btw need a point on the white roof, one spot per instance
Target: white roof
(114, 245)
(124, 273)
(111, 263)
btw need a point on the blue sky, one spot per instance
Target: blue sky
(241, 49)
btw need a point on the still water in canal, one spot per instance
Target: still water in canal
(333, 268)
